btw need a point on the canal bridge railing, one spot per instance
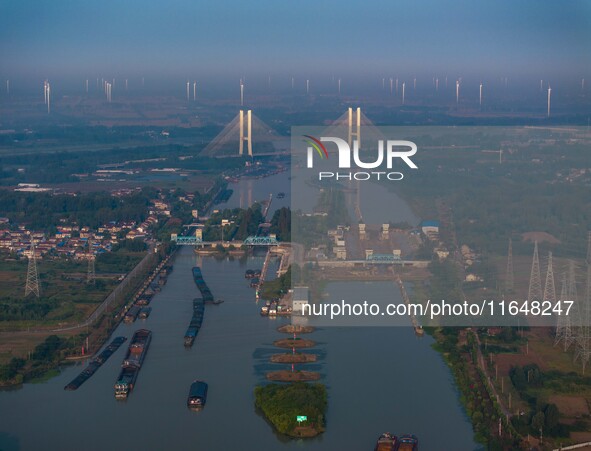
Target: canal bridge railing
(261, 241)
(249, 241)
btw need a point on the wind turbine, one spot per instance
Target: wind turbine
(480, 99)
(403, 86)
(47, 93)
(241, 93)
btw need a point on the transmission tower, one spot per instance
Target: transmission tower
(509, 279)
(561, 319)
(90, 276)
(571, 295)
(583, 339)
(549, 289)
(32, 285)
(535, 283)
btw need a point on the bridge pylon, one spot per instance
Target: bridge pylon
(248, 137)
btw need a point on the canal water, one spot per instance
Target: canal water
(379, 379)
(249, 190)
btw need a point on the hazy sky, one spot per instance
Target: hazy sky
(47, 37)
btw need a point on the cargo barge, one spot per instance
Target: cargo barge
(132, 363)
(144, 300)
(144, 312)
(197, 395)
(252, 273)
(196, 321)
(386, 442)
(199, 307)
(408, 442)
(131, 314)
(95, 364)
(206, 293)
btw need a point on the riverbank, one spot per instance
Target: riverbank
(68, 344)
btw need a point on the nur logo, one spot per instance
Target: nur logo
(347, 157)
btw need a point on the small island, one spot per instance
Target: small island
(283, 404)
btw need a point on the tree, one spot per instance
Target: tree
(537, 421)
(552, 415)
(518, 378)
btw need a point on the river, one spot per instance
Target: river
(249, 190)
(378, 379)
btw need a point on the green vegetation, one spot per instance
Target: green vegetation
(65, 295)
(41, 159)
(281, 404)
(241, 223)
(480, 404)
(43, 360)
(46, 211)
(276, 288)
(459, 350)
(535, 189)
(281, 224)
(534, 387)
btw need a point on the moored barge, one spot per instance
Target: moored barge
(95, 364)
(136, 353)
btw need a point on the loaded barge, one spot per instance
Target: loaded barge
(196, 320)
(197, 395)
(132, 363)
(199, 307)
(390, 442)
(95, 364)
(203, 288)
(386, 442)
(408, 442)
